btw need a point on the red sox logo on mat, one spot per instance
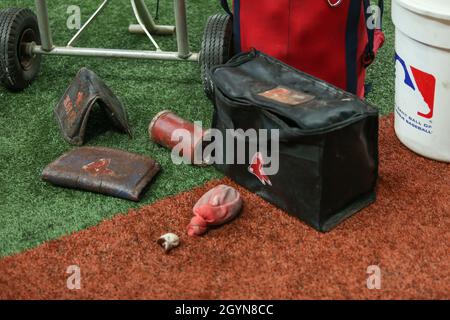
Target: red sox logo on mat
(257, 168)
(99, 167)
(70, 108)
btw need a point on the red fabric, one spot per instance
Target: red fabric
(317, 40)
(379, 40)
(309, 35)
(265, 26)
(362, 45)
(216, 207)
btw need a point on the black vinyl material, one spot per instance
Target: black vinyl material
(328, 150)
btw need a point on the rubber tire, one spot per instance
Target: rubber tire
(217, 47)
(13, 23)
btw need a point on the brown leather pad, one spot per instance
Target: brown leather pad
(73, 110)
(109, 171)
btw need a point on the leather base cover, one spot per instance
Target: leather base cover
(73, 110)
(109, 171)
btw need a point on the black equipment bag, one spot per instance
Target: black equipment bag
(328, 139)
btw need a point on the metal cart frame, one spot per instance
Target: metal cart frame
(25, 37)
(146, 26)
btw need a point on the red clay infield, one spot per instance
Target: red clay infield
(264, 253)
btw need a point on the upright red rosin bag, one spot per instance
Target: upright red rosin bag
(333, 40)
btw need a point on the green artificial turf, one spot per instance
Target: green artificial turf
(32, 211)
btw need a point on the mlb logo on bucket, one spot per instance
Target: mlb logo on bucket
(421, 83)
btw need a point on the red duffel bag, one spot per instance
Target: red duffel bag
(334, 40)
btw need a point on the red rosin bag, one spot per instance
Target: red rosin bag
(216, 207)
(329, 39)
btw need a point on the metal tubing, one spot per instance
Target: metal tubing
(115, 53)
(159, 30)
(181, 28)
(145, 20)
(94, 15)
(44, 26)
(144, 15)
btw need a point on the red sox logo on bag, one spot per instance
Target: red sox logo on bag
(257, 168)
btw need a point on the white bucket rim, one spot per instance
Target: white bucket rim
(439, 9)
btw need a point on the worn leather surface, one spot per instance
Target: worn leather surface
(109, 171)
(73, 110)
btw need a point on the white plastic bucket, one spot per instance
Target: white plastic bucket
(422, 85)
